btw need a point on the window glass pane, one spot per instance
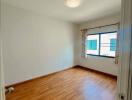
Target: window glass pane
(112, 44)
(92, 44)
(108, 44)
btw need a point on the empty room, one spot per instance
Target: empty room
(61, 49)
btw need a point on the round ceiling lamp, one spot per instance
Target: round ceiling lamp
(72, 3)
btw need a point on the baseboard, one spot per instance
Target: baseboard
(22, 82)
(76, 66)
(97, 71)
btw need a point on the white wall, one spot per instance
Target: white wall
(106, 65)
(35, 45)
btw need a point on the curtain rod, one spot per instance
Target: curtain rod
(85, 29)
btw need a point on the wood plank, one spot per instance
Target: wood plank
(73, 84)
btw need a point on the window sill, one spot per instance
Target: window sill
(100, 56)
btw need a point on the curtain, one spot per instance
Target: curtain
(83, 34)
(117, 46)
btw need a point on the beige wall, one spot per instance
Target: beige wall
(35, 45)
(106, 65)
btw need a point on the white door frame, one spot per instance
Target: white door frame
(125, 50)
(2, 92)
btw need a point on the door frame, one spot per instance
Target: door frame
(2, 90)
(125, 52)
(2, 85)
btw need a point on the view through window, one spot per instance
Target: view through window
(101, 44)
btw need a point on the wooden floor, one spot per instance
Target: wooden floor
(72, 84)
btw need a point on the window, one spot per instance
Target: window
(101, 44)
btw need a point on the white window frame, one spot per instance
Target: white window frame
(125, 52)
(99, 55)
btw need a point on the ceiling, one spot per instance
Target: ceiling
(88, 10)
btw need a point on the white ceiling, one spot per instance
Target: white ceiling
(88, 10)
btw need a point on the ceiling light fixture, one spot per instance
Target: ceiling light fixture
(72, 3)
